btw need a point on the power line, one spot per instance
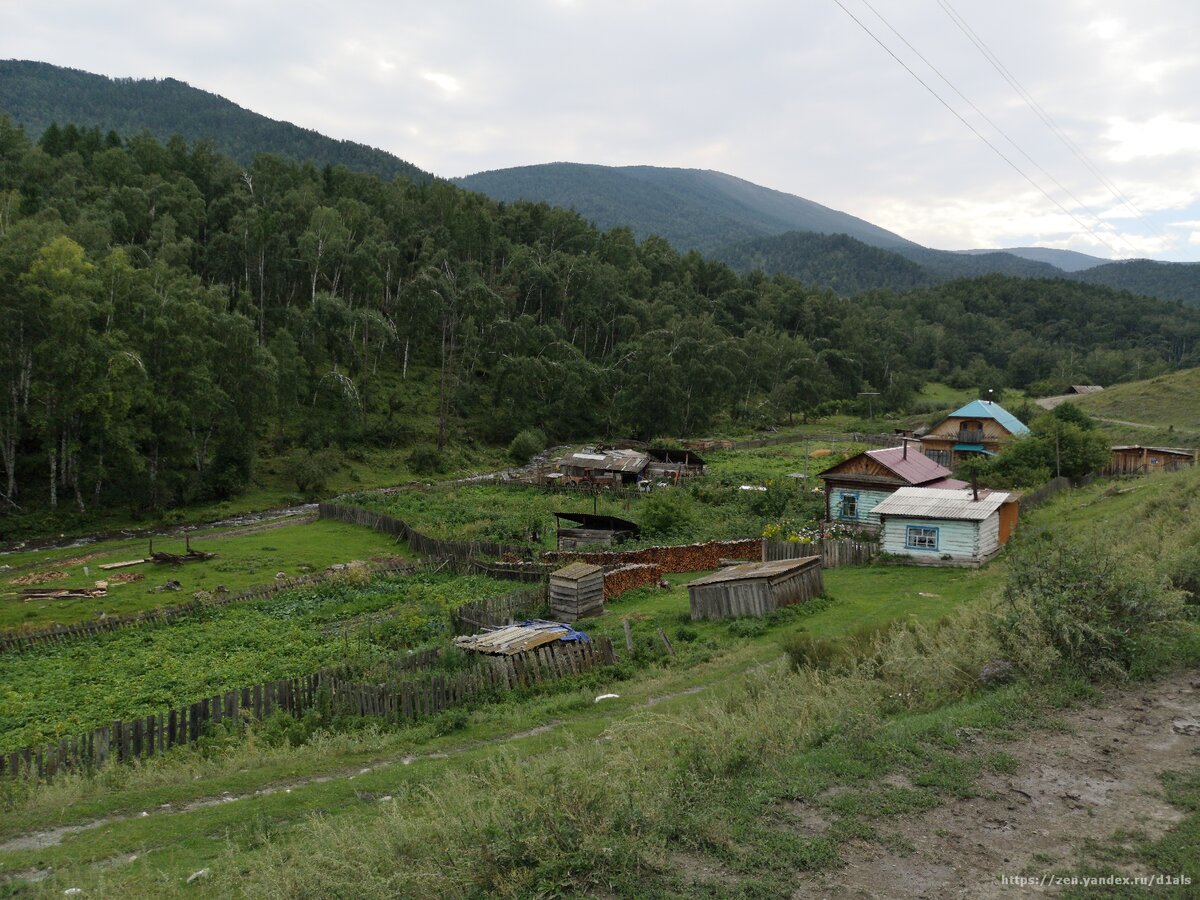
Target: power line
(1041, 113)
(1079, 203)
(974, 130)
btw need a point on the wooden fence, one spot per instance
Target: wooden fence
(404, 699)
(1045, 492)
(529, 603)
(832, 553)
(874, 440)
(356, 515)
(164, 615)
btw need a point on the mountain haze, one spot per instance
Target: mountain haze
(694, 209)
(36, 94)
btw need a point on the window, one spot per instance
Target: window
(849, 507)
(920, 537)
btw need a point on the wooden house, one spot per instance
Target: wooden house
(756, 589)
(1138, 460)
(980, 427)
(855, 487)
(1076, 389)
(959, 527)
(611, 467)
(590, 530)
(576, 591)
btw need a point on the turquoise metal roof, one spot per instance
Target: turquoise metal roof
(973, 448)
(987, 409)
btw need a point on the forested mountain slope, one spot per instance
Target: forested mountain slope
(694, 209)
(1067, 260)
(37, 94)
(165, 313)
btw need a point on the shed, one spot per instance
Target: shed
(576, 591)
(615, 467)
(1085, 389)
(591, 529)
(510, 640)
(947, 527)
(756, 589)
(1138, 460)
(674, 464)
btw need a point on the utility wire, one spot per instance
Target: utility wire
(1079, 203)
(975, 130)
(1039, 111)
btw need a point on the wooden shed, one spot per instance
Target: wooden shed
(756, 589)
(576, 591)
(1138, 460)
(591, 529)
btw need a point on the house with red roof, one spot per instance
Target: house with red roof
(854, 488)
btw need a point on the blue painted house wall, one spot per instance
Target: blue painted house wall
(867, 501)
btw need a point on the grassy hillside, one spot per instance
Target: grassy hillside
(36, 94)
(691, 208)
(1163, 410)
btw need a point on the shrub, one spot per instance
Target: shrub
(526, 445)
(310, 469)
(425, 460)
(666, 513)
(1080, 605)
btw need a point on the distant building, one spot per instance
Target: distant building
(614, 467)
(1138, 460)
(756, 588)
(674, 464)
(979, 428)
(855, 487)
(1084, 389)
(959, 527)
(589, 530)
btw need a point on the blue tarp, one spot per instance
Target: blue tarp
(569, 635)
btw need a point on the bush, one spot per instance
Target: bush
(1080, 605)
(666, 513)
(310, 469)
(527, 444)
(425, 460)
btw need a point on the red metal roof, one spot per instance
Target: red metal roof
(914, 467)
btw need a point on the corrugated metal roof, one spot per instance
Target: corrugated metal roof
(1176, 451)
(609, 460)
(989, 409)
(575, 571)
(1086, 388)
(511, 639)
(940, 503)
(914, 467)
(755, 571)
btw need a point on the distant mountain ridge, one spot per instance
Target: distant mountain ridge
(1067, 260)
(694, 209)
(36, 94)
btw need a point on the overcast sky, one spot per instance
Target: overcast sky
(791, 95)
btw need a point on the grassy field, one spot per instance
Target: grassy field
(1165, 410)
(243, 560)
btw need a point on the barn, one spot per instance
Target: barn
(674, 464)
(576, 591)
(756, 589)
(1138, 460)
(947, 527)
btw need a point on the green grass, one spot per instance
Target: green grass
(242, 561)
(1169, 405)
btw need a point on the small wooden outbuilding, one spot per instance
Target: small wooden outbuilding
(576, 591)
(591, 529)
(1138, 460)
(756, 589)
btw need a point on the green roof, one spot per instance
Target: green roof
(987, 409)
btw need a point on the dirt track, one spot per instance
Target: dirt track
(1095, 777)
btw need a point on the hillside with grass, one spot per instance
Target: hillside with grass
(38, 95)
(1163, 411)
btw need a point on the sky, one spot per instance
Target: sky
(795, 96)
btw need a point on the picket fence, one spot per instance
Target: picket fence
(399, 699)
(832, 553)
(530, 603)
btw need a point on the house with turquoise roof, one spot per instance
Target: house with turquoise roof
(981, 427)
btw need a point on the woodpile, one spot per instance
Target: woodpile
(100, 590)
(687, 558)
(39, 577)
(629, 577)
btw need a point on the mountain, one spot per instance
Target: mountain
(1067, 260)
(692, 208)
(1165, 280)
(36, 94)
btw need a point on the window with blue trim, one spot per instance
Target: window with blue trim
(849, 508)
(920, 537)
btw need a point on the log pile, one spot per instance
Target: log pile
(628, 577)
(84, 593)
(688, 558)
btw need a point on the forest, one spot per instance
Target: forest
(168, 314)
